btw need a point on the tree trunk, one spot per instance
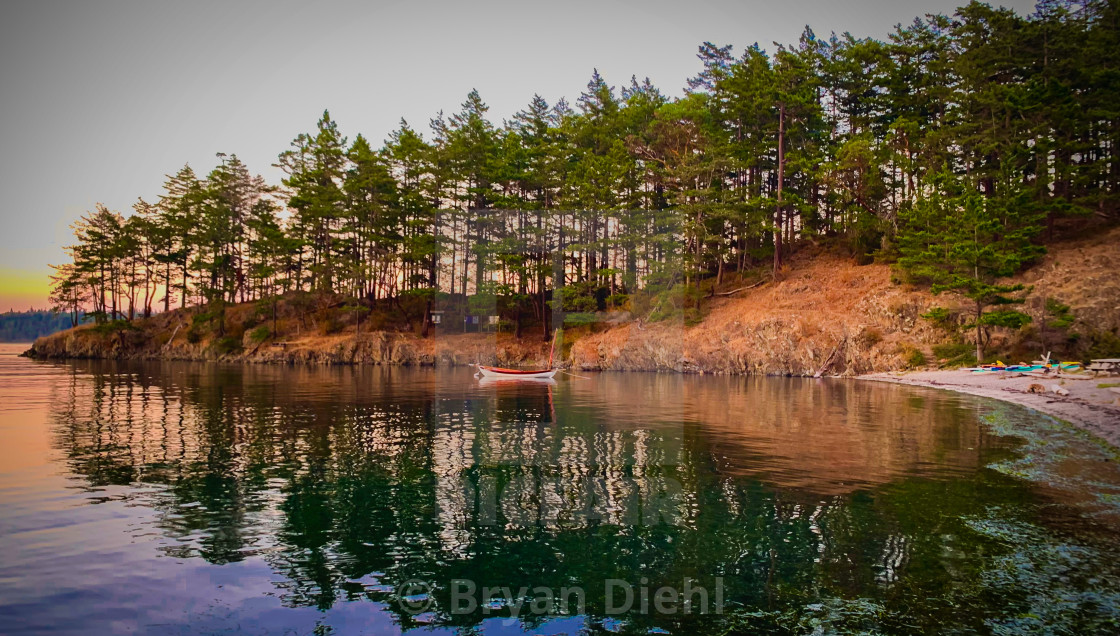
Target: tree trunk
(183, 301)
(427, 320)
(781, 177)
(979, 333)
(167, 287)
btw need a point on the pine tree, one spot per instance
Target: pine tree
(179, 209)
(953, 137)
(959, 240)
(373, 226)
(69, 291)
(316, 166)
(472, 147)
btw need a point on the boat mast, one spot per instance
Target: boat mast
(552, 349)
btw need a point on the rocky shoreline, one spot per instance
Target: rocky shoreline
(371, 348)
(824, 317)
(782, 348)
(827, 317)
(779, 348)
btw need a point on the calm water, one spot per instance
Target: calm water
(189, 498)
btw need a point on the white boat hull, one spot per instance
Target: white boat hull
(505, 374)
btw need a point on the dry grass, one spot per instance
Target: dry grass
(824, 304)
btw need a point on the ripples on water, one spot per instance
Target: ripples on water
(165, 498)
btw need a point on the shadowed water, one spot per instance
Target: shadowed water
(195, 498)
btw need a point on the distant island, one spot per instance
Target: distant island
(26, 326)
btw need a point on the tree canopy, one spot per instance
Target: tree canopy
(958, 142)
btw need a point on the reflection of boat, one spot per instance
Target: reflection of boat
(524, 391)
(526, 382)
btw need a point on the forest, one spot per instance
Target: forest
(956, 149)
(26, 326)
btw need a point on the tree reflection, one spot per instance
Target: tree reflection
(350, 481)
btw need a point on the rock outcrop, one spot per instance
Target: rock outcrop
(824, 315)
(376, 348)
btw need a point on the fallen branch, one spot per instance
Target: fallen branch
(256, 348)
(172, 338)
(736, 291)
(828, 360)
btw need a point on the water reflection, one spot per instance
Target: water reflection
(348, 482)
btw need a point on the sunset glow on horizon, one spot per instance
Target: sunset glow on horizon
(23, 289)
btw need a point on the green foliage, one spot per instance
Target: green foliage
(354, 309)
(1053, 331)
(959, 240)
(315, 166)
(867, 238)
(955, 354)
(942, 319)
(641, 302)
(1101, 344)
(113, 327)
(681, 303)
(582, 297)
(915, 358)
(832, 615)
(485, 302)
(227, 345)
(1005, 318)
(577, 318)
(210, 319)
(953, 145)
(1059, 316)
(260, 334)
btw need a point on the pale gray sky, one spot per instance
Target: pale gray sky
(100, 99)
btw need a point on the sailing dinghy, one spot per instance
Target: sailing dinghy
(516, 374)
(522, 374)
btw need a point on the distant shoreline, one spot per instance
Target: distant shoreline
(1087, 406)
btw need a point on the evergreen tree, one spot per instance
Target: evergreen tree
(373, 223)
(959, 240)
(954, 139)
(179, 210)
(472, 147)
(316, 165)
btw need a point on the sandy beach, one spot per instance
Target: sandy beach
(1088, 405)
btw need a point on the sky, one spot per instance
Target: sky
(100, 99)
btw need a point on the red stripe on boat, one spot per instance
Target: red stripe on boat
(513, 371)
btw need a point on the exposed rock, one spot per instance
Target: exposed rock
(825, 316)
(376, 348)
